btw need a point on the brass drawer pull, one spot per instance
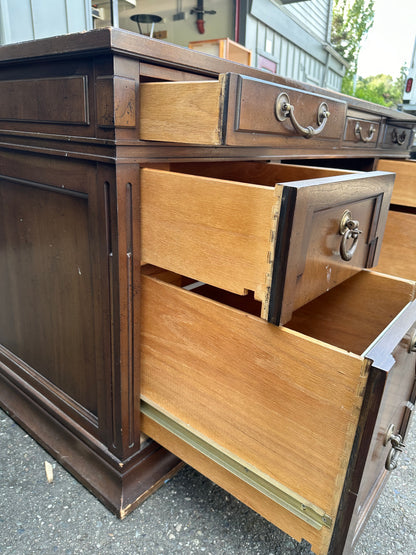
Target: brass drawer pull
(398, 139)
(397, 447)
(412, 344)
(284, 109)
(358, 132)
(348, 228)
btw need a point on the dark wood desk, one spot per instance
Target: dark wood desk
(292, 419)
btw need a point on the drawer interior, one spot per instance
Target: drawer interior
(272, 229)
(404, 193)
(353, 314)
(261, 173)
(350, 316)
(397, 256)
(265, 397)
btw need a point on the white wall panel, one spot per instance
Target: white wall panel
(293, 60)
(313, 13)
(22, 20)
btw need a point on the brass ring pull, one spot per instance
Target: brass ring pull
(397, 447)
(398, 139)
(348, 228)
(392, 458)
(358, 132)
(412, 344)
(284, 109)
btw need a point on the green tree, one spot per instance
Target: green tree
(381, 89)
(351, 21)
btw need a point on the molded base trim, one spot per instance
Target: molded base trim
(120, 491)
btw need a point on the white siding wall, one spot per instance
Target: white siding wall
(184, 31)
(22, 20)
(313, 13)
(284, 40)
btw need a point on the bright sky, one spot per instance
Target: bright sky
(389, 43)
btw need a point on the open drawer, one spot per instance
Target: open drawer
(277, 415)
(287, 233)
(238, 110)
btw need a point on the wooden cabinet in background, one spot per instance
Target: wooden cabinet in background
(397, 255)
(223, 48)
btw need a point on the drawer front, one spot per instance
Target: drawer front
(395, 411)
(281, 240)
(397, 138)
(262, 401)
(238, 110)
(262, 113)
(361, 133)
(404, 192)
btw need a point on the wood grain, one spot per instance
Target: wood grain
(404, 192)
(354, 313)
(270, 396)
(218, 232)
(398, 253)
(52, 100)
(187, 112)
(46, 251)
(261, 173)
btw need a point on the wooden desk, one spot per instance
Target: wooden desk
(89, 330)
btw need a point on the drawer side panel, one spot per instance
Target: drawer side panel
(216, 232)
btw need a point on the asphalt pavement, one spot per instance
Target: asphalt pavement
(187, 515)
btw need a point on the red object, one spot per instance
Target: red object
(237, 21)
(200, 25)
(264, 63)
(409, 84)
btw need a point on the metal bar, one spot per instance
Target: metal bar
(291, 501)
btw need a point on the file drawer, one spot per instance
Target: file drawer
(293, 419)
(278, 230)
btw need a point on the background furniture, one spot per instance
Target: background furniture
(223, 48)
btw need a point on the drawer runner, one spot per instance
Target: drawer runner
(283, 496)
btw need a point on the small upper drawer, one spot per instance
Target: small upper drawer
(288, 233)
(238, 110)
(397, 137)
(361, 132)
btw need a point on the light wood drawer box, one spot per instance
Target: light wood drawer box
(397, 137)
(404, 192)
(273, 229)
(398, 253)
(290, 420)
(238, 110)
(361, 132)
